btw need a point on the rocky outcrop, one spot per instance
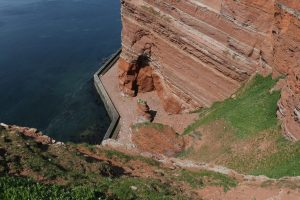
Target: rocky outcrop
(202, 51)
(143, 112)
(135, 77)
(32, 133)
(286, 35)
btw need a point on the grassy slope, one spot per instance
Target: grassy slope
(118, 189)
(253, 110)
(198, 179)
(84, 177)
(249, 139)
(64, 172)
(21, 188)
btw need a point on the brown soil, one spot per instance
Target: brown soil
(249, 192)
(163, 140)
(132, 167)
(216, 143)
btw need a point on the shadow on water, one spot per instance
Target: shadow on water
(49, 51)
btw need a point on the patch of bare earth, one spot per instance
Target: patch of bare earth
(162, 140)
(217, 144)
(249, 192)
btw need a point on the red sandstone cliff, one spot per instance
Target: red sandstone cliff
(196, 52)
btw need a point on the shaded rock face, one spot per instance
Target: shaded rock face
(143, 112)
(201, 51)
(135, 76)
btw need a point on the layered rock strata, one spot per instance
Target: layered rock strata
(286, 36)
(197, 52)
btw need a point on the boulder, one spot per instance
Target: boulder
(143, 112)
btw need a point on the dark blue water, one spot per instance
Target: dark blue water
(49, 50)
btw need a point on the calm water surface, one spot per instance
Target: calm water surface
(49, 50)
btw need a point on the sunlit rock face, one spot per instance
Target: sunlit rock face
(197, 52)
(286, 55)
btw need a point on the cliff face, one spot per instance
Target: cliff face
(197, 52)
(286, 54)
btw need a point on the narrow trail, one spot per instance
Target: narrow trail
(190, 164)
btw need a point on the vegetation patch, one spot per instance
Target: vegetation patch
(125, 188)
(138, 188)
(110, 153)
(251, 111)
(243, 134)
(22, 188)
(199, 179)
(73, 171)
(284, 162)
(157, 126)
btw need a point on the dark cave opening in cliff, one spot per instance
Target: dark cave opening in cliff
(144, 81)
(143, 61)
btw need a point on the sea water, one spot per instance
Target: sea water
(49, 50)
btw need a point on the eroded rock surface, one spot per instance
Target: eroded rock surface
(201, 51)
(286, 35)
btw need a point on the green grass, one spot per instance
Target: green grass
(253, 110)
(156, 126)
(185, 152)
(199, 179)
(83, 176)
(284, 162)
(16, 188)
(145, 189)
(249, 121)
(126, 157)
(70, 172)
